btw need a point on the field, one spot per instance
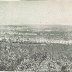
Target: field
(36, 48)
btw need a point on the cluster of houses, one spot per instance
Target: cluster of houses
(35, 40)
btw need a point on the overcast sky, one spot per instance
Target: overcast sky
(36, 12)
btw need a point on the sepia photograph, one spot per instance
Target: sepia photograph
(36, 35)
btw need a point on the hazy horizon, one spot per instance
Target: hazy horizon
(49, 12)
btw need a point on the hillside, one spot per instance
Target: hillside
(37, 49)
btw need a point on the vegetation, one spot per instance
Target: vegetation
(19, 53)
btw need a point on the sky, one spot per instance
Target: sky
(40, 12)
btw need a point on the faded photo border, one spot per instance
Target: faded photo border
(23, 0)
(9, 0)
